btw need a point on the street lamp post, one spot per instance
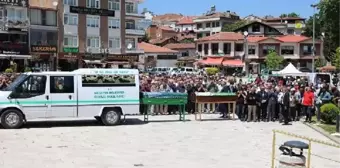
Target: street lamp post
(55, 4)
(245, 35)
(314, 6)
(104, 51)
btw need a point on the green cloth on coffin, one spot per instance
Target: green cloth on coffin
(166, 98)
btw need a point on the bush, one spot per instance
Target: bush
(9, 70)
(329, 112)
(212, 71)
(27, 69)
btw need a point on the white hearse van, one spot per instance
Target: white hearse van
(106, 94)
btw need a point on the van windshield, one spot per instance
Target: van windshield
(16, 82)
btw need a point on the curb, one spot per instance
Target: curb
(324, 133)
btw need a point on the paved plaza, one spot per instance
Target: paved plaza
(166, 144)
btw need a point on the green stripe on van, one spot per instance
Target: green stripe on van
(70, 102)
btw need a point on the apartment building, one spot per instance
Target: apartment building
(99, 31)
(227, 48)
(43, 34)
(212, 22)
(286, 25)
(14, 25)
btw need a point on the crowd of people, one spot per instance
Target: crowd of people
(274, 99)
(6, 79)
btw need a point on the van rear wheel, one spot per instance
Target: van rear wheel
(111, 117)
(12, 119)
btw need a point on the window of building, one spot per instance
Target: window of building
(207, 24)
(256, 28)
(213, 24)
(290, 31)
(92, 21)
(114, 43)
(51, 18)
(93, 42)
(199, 47)
(287, 50)
(199, 25)
(129, 7)
(93, 3)
(206, 49)
(2, 14)
(130, 24)
(113, 5)
(307, 49)
(130, 41)
(267, 48)
(71, 2)
(70, 41)
(14, 38)
(185, 53)
(239, 47)
(207, 34)
(34, 85)
(226, 48)
(214, 48)
(70, 19)
(199, 35)
(217, 24)
(114, 23)
(167, 57)
(16, 14)
(35, 17)
(251, 49)
(62, 84)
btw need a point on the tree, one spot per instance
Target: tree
(336, 59)
(293, 14)
(273, 60)
(145, 38)
(234, 26)
(329, 11)
(319, 63)
(308, 31)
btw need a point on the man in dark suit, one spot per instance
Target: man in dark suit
(286, 100)
(263, 97)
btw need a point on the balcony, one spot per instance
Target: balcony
(16, 24)
(134, 13)
(135, 31)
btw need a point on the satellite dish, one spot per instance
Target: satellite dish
(129, 46)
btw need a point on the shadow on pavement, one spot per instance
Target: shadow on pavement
(166, 121)
(219, 119)
(76, 123)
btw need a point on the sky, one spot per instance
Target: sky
(241, 7)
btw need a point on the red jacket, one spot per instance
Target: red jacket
(308, 98)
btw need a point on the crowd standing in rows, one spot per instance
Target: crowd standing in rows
(275, 99)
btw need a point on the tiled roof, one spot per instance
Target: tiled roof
(169, 17)
(223, 36)
(167, 28)
(217, 15)
(186, 20)
(175, 46)
(292, 38)
(159, 41)
(150, 48)
(254, 39)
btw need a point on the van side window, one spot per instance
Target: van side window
(62, 84)
(33, 86)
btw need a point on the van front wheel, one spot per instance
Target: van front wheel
(111, 117)
(12, 119)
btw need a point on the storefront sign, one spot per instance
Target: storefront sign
(122, 58)
(22, 3)
(13, 49)
(70, 50)
(43, 48)
(91, 11)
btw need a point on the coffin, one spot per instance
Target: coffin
(207, 97)
(165, 98)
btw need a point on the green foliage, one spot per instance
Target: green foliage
(188, 40)
(319, 63)
(234, 26)
(212, 71)
(329, 11)
(336, 61)
(27, 69)
(293, 14)
(9, 70)
(145, 38)
(273, 60)
(308, 31)
(329, 112)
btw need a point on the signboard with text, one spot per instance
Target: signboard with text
(44, 48)
(13, 49)
(22, 3)
(70, 50)
(91, 11)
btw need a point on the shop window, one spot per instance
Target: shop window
(62, 84)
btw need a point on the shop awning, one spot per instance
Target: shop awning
(233, 63)
(212, 61)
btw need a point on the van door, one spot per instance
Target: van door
(32, 96)
(63, 96)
